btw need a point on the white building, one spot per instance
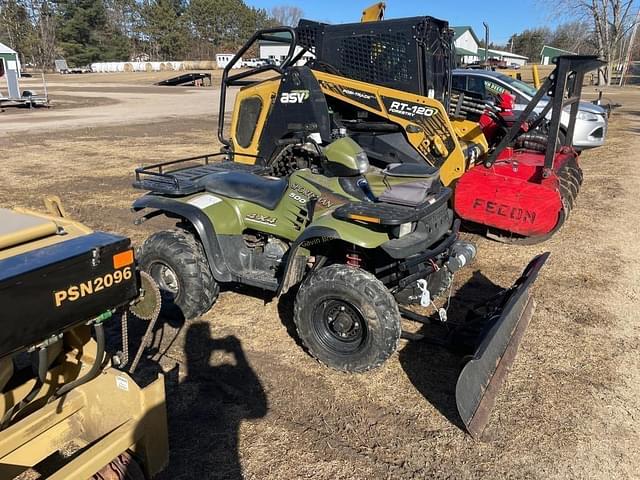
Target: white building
(278, 52)
(468, 49)
(466, 43)
(503, 56)
(223, 59)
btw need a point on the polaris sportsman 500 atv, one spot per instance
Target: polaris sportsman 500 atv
(358, 242)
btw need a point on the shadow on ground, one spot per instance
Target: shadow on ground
(206, 408)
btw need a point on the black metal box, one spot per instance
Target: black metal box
(49, 290)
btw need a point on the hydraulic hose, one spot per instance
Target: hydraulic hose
(532, 141)
(35, 390)
(95, 368)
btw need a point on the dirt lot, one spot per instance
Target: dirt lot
(245, 400)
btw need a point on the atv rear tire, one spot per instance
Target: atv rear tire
(347, 319)
(177, 263)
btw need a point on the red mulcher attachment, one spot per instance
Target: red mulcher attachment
(522, 194)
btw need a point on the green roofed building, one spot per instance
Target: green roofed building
(9, 72)
(466, 42)
(548, 53)
(8, 55)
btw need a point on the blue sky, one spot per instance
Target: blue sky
(504, 17)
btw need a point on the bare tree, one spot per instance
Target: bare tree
(576, 36)
(611, 20)
(36, 36)
(287, 15)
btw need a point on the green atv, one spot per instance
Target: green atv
(354, 257)
(358, 241)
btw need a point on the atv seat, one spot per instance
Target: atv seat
(250, 187)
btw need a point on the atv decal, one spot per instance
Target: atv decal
(408, 109)
(325, 202)
(204, 201)
(365, 98)
(294, 96)
(259, 218)
(298, 198)
(303, 191)
(326, 199)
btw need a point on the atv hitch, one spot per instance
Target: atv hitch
(488, 353)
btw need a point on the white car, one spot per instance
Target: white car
(591, 122)
(253, 62)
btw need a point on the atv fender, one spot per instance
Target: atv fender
(201, 223)
(297, 259)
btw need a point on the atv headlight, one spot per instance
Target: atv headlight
(402, 230)
(405, 229)
(587, 116)
(362, 161)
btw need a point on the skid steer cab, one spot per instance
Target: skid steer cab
(359, 245)
(60, 285)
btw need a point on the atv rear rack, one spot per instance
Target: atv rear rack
(180, 177)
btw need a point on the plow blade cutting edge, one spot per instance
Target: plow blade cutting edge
(483, 375)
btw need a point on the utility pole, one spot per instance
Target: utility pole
(632, 41)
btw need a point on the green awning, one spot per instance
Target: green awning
(463, 52)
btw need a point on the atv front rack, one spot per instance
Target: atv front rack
(387, 213)
(180, 177)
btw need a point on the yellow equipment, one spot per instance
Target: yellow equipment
(536, 76)
(399, 117)
(59, 281)
(449, 144)
(373, 13)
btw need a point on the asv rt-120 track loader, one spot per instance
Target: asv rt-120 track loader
(60, 283)
(387, 85)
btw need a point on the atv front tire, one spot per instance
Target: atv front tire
(178, 264)
(347, 319)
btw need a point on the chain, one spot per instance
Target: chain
(125, 340)
(146, 342)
